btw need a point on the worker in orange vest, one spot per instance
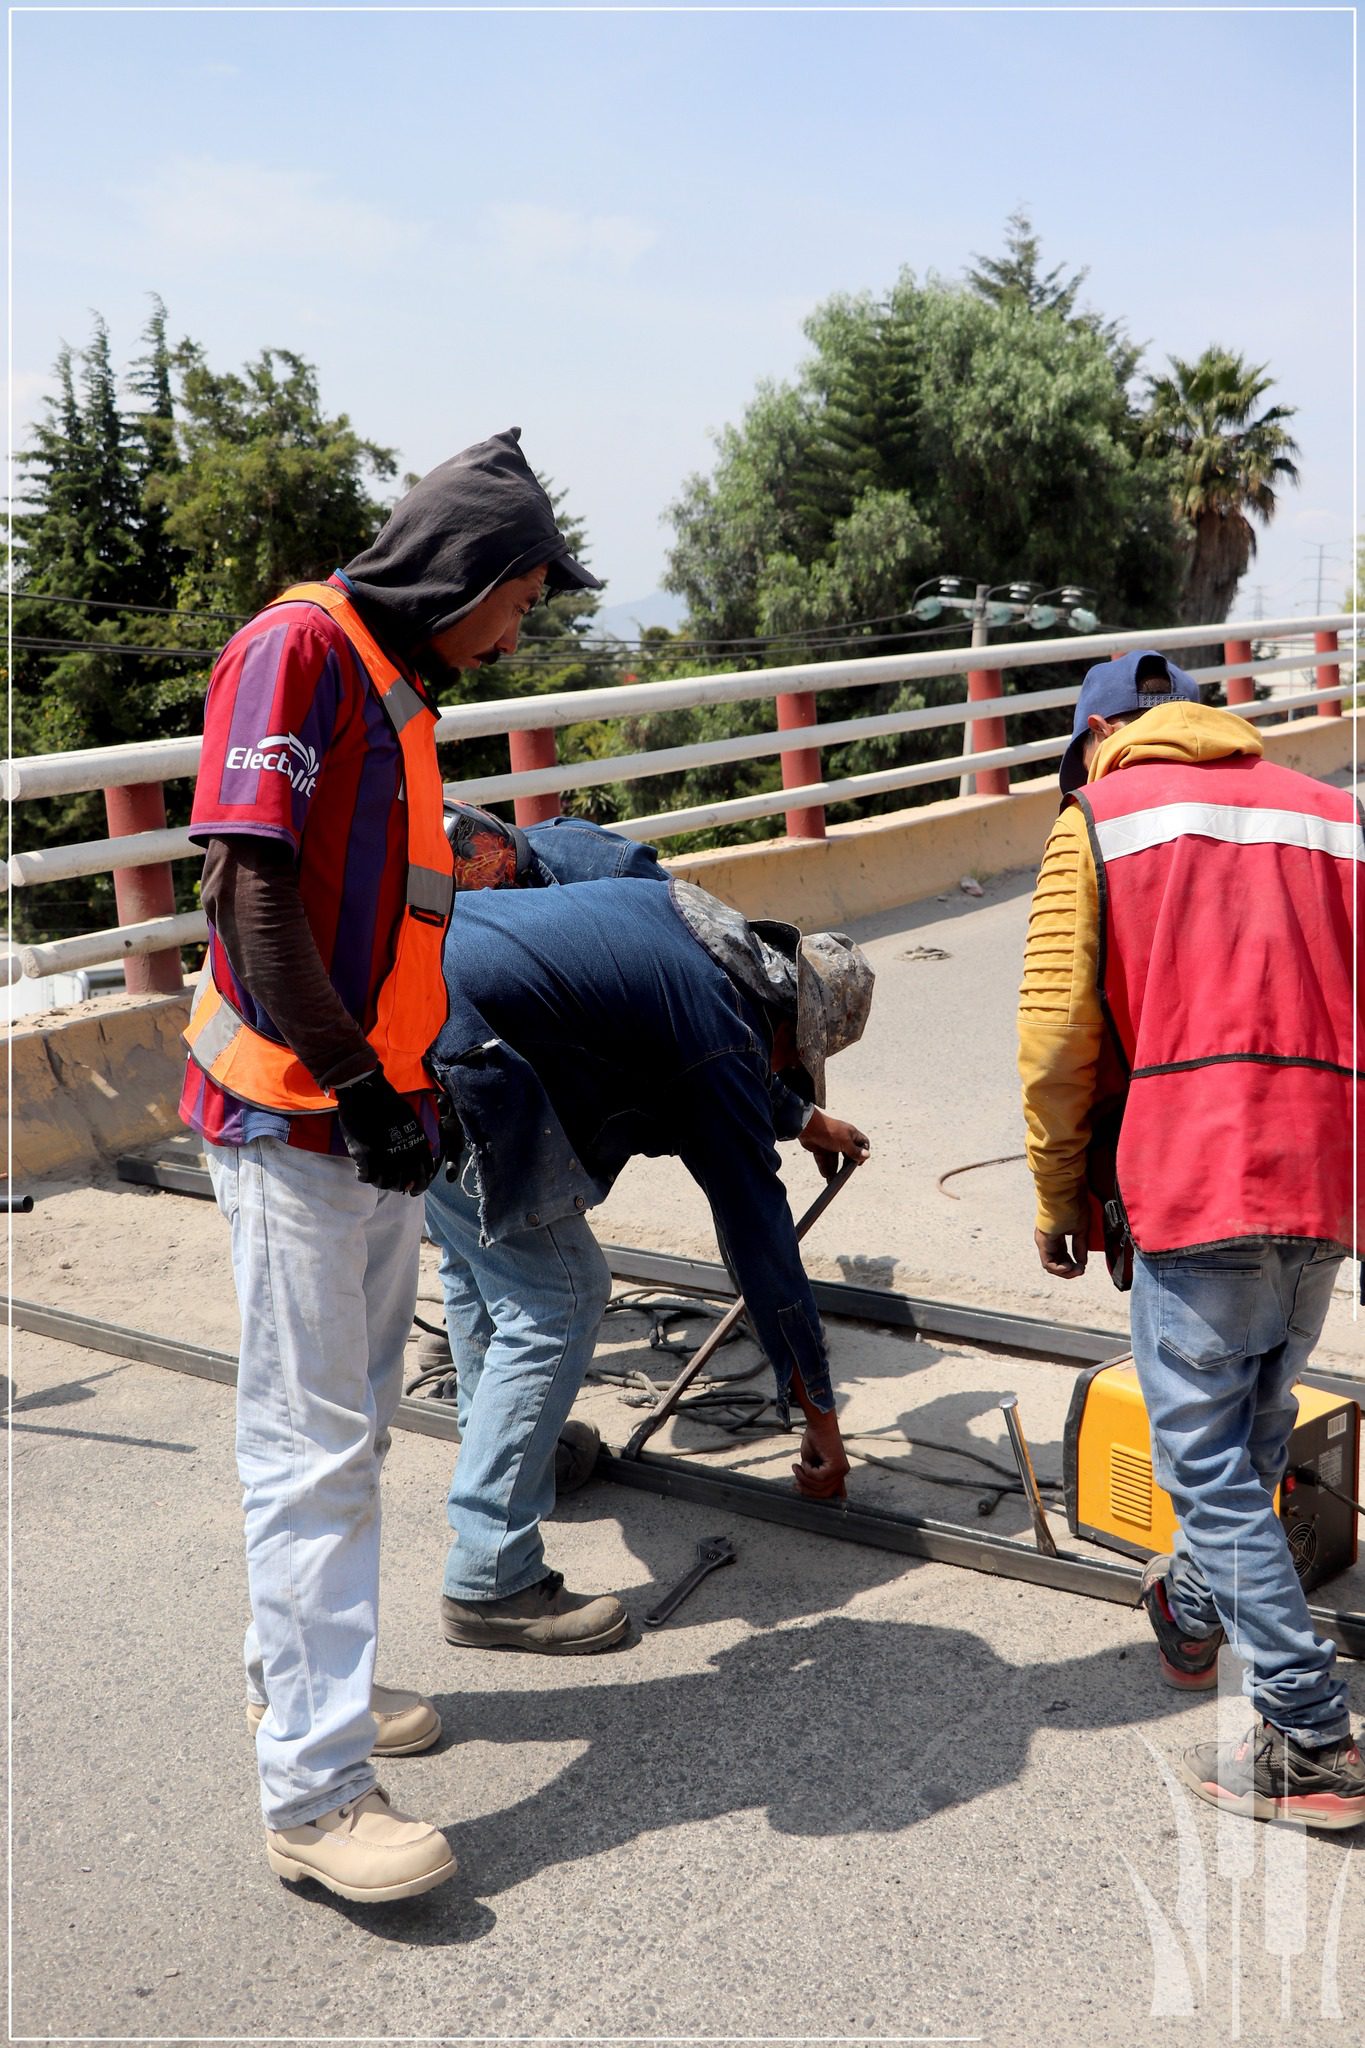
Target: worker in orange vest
(328, 888)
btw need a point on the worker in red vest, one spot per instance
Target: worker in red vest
(328, 888)
(1192, 965)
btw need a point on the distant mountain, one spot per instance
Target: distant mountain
(628, 621)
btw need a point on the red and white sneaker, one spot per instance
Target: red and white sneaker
(1270, 1776)
(1187, 1662)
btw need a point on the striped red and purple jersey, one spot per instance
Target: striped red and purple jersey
(297, 748)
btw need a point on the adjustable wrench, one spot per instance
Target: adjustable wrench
(716, 1551)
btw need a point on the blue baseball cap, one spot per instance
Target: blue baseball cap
(1138, 681)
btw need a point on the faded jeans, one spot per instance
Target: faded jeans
(1219, 1338)
(523, 1317)
(326, 1277)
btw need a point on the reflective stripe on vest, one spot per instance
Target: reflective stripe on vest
(1227, 959)
(412, 1003)
(1234, 824)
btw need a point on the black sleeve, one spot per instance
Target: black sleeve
(730, 1153)
(250, 892)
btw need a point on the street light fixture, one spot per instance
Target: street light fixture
(1069, 609)
(1004, 604)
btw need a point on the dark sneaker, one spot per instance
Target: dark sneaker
(1189, 1662)
(543, 1618)
(576, 1456)
(1269, 1776)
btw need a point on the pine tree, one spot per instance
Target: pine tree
(1016, 278)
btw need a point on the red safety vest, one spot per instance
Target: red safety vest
(412, 998)
(1228, 950)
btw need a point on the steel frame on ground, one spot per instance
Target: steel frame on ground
(763, 1499)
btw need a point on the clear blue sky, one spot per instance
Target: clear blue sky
(608, 227)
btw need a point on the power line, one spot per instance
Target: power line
(837, 632)
(109, 604)
(122, 649)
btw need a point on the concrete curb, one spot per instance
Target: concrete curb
(88, 1082)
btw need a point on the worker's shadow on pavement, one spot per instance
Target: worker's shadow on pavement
(935, 1442)
(941, 1719)
(69, 1394)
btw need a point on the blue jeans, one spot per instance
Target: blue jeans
(1219, 1338)
(326, 1278)
(523, 1317)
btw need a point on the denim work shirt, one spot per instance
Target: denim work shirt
(587, 1025)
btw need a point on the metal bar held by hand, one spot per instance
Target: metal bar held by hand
(707, 1350)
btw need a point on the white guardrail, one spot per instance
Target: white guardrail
(158, 761)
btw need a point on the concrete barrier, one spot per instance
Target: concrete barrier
(881, 863)
(104, 1076)
(91, 1081)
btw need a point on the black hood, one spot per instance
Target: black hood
(466, 527)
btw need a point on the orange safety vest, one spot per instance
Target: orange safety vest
(412, 999)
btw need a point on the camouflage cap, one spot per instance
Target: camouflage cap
(833, 999)
(824, 982)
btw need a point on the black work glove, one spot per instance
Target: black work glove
(383, 1136)
(452, 1135)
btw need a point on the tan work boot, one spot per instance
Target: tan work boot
(363, 1850)
(406, 1722)
(543, 1618)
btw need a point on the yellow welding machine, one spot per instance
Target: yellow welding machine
(1112, 1497)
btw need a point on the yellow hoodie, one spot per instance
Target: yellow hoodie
(1065, 1062)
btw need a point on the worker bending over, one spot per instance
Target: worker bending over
(327, 884)
(1192, 956)
(588, 1024)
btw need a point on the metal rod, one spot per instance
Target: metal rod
(1029, 1336)
(679, 1479)
(1042, 1535)
(707, 1350)
(914, 1536)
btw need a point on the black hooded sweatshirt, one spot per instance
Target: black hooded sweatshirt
(466, 527)
(469, 525)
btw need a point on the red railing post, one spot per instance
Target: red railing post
(800, 765)
(1327, 678)
(527, 750)
(1238, 689)
(141, 893)
(984, 735)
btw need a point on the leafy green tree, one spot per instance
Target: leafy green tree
(557, 652)
(1227, 461)
(264, 489)
(932, 430)
(1016, 277)
(984, 429)
(206, 495)
(78, 544)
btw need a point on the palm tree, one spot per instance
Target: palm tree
(1226, 461)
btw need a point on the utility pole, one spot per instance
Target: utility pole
(980, 638)
(1024, 604)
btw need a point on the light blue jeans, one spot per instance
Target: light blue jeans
(1218, 1340)
(523, 1317)
(326, 1277)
